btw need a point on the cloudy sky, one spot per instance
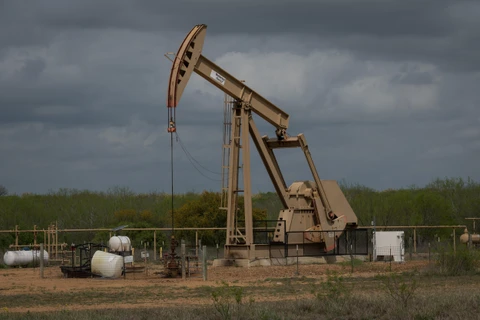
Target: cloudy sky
(386, 92)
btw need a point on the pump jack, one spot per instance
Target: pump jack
(309, 206)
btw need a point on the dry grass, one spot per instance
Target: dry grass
(364, 305)
(338, 297)
(412, 291)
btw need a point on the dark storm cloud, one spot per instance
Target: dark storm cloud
(19, 26)
(441, 31)
(414, 77)
(385, 91)
(419, 18)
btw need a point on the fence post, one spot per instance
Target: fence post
(286, 247)
(454, 242)
(410, 247)
(41, 260)
(184, 271)
(391, 258)
(429, 252)
(415, 240)
(297, 273)
(196, 243)
(155, 245)
(199, 246)
(351, 256)
(204, 262)
(350, 247)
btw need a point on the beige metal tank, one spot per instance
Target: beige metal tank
(475, 237)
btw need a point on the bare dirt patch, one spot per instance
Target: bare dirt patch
(23, 290)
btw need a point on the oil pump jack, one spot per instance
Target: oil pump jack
(314, 212)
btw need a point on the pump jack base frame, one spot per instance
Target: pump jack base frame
(268, 262)
(351, 242)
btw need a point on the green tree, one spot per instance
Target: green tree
(3, 190)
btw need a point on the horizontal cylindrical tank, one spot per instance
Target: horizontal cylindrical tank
(120, 243)
(107, 265)
(475, 238)
(24, 257)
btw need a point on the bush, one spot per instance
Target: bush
(228, 301)
(399, 288)
(463, 261)
(334, 293)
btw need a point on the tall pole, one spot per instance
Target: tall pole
(172, 263)
(171, 165)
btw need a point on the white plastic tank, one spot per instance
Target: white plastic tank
(24, 257)
(120, 243)
(107, 265)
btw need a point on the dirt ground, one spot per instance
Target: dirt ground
(29, 292)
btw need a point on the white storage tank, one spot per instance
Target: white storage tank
(24, 257)
(120, 243)
(107, 265)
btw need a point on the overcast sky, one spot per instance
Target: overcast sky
(386, 92)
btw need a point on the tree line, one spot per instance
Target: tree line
(445, 201)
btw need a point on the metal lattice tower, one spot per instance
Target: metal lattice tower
(227, 128)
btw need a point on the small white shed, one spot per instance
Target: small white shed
(388, 245)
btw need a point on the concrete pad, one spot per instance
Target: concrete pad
(265, 262)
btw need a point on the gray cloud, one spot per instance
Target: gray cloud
(385, 91)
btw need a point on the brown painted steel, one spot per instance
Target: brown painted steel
(189, 58)
(308, 206)
(184, 63)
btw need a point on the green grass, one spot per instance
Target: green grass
(356, 263)
(301, 279)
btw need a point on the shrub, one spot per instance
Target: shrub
(228, 301)
(333, 292)
(459, 262)
(400, 288)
